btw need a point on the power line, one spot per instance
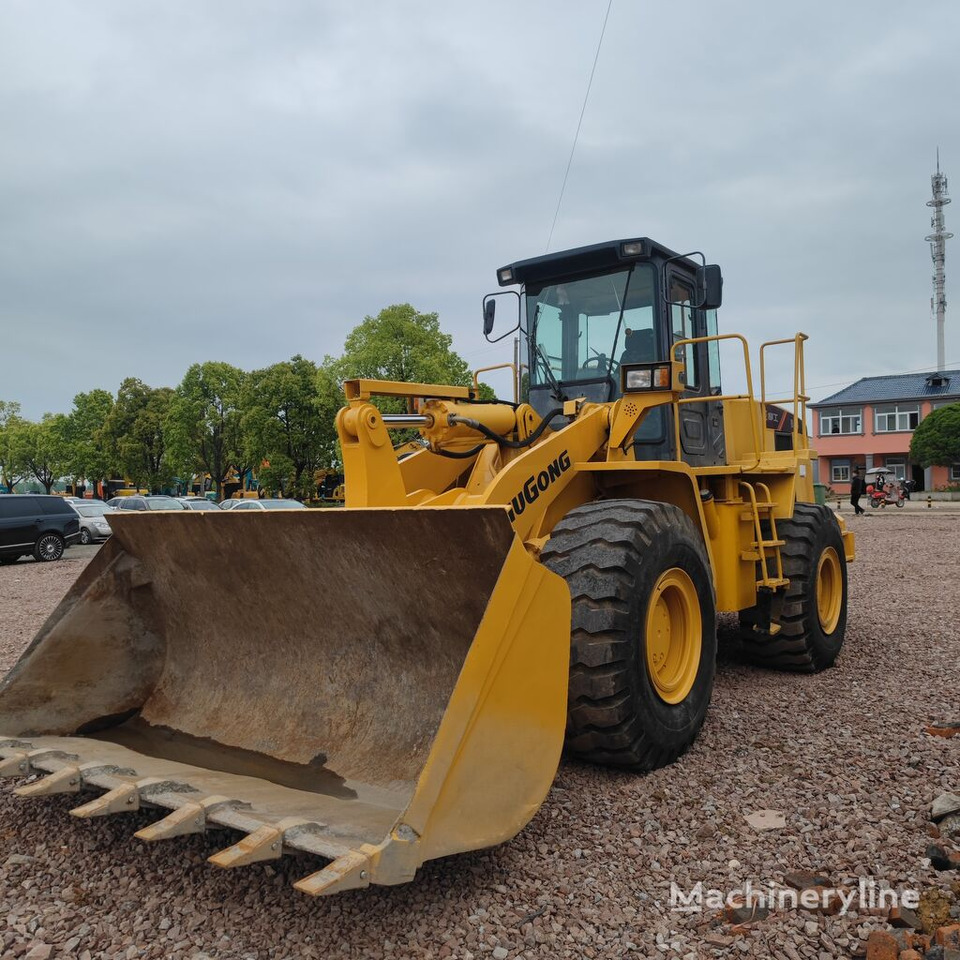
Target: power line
(576, 136)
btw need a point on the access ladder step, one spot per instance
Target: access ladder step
(773, 583)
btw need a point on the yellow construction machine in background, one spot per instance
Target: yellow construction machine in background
(400, 684)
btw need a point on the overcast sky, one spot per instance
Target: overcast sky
(184, 181)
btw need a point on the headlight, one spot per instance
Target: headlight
(647, 376)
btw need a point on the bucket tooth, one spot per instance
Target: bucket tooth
(17, 765)
(64, 780)
(186, 819)
(189, 817)
(122, 799)
(265, 843)
(349, 872)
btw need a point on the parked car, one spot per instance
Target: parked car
(93, 520)
(269, 505)
(36, 524)
(198, 503)
(150, 503)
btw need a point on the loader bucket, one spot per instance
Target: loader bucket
(375, 686)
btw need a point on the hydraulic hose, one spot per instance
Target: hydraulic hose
(464, 455)
(503, 441)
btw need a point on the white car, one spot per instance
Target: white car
(198, 503)
(269, 505)
(93, 520)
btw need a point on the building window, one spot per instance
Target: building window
(896, 417)
(955, 473)
(840, 420)
(839, 471)
(897, 467)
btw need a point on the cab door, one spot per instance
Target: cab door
(694, 441)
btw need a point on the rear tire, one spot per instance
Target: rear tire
(49, 547)
(813, 619)
(643, 635)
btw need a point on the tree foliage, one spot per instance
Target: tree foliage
(88, 455)
(937, 439)
(135, 434)
(43, 447)
(13, 468)
(204, 424)
(401, 344)
(278, 421)
(287, 434)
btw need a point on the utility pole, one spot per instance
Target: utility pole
(937, 241)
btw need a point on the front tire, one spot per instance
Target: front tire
(643, 634)
(813, 618)
(49, 547)
(85, 537)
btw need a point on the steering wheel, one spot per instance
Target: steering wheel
(601, 363)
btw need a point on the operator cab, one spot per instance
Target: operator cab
(591, 309)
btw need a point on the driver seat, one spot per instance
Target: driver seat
(639, 346)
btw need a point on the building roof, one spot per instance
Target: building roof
(898, 386)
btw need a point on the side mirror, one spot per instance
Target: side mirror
(709, 286)
(489, 312)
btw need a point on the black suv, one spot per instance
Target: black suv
(35, 524)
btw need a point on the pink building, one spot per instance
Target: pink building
(871, 422)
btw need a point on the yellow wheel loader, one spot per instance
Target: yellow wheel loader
(402, 681)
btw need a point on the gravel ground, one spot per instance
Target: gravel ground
(842, 755)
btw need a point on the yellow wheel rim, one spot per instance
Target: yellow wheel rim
(829, 590)
(674, 635)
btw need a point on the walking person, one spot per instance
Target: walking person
(856, 492)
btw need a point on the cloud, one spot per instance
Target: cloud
(181, 182)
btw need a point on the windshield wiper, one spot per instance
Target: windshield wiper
(556, 391)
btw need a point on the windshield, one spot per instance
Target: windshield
(91, 509)
(164, 503)
(282, 505)
(584, 329)
(200, 505)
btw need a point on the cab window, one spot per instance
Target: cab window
(582, 329)
(681, 320)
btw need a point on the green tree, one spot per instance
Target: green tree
(401, 344)
(43, 447)
(88, 453)
(135, 435)
(937, 439)
(13, 468)
(287, 434)
(205, 421)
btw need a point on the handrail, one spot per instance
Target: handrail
(754, 426)
(499, 366)
(799, 398)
